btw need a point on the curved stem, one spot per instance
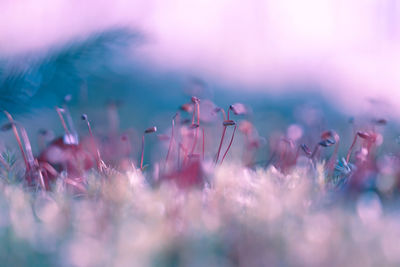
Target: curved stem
(230, 143)
(75, 184)
(220, 145)
(63, 122)
(14, 128)
(170, 141)
(141, 158)
(71, 123)
(28, 148)
(48, 168)
(44, 179)
(223, 114)
(351, 148)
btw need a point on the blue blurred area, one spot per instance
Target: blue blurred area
(101, 69)
(43, 78)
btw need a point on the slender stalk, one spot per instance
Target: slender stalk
(230, 143)
(198, 113)
(99, 162)
(48, 168)
(74, 133)
(171, 140)
(332, 160)
(197, 107)
(195, 141)
(14, 128)
(185, 151)
(194, 112)
(203, 145)
(181, 146)
(28, 149)
(42, 181)
(141, 157)
(220, 144)
(222, 136)
(178, 138)
(224, 114)
(179, 156)
(63, 122)
(147, 131)
(351, 148)
(75, 184)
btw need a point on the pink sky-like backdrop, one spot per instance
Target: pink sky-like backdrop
(350, 48)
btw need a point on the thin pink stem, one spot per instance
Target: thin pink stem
(48, 168)
(195, 141)
(28, 147)
(198, 113)
(185, 155)
(76, 184)
(203, 145)
(141, 158)
(193, 114)
(70, 123)
(230, 143)
(197, 128)
(171, 140)
(14, 128)
(223, 114)
(351, 148)
(98, 157)
(63, 122)
(179, 155)
(220, 145)
(44, 179)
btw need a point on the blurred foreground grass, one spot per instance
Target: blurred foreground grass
(242, 217)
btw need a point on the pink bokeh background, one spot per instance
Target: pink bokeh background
(349, 48)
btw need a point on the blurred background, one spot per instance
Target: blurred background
(299, 67)
(337, 58)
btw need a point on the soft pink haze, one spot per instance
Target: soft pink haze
(351, 48)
